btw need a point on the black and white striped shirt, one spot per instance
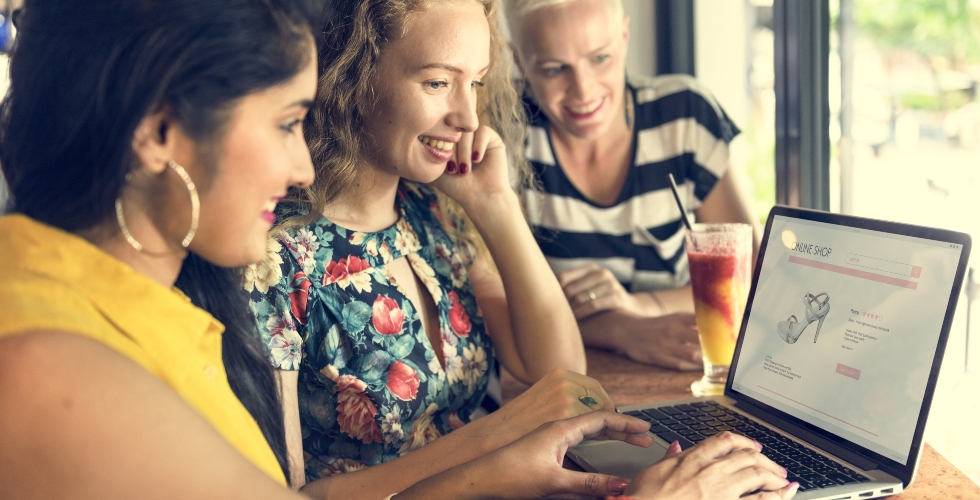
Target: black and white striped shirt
(679, 128)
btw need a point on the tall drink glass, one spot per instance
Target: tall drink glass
(720, 260)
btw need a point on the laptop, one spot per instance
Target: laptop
(844, 410)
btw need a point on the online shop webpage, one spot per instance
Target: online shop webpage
(881, 299)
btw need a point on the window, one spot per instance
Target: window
(867, 107)
(905, 146)
(734, 59)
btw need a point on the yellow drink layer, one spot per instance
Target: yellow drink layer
(717, 333)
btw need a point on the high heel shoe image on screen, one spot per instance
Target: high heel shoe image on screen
(816, 310)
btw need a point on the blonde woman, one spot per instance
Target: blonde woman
(408, 270)
(601, 146)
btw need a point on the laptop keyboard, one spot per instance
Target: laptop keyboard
(692, 423)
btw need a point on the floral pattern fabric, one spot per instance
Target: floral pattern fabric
(370, 386)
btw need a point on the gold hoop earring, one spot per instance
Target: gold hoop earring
(195, 210)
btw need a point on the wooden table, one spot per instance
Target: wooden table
(631, 383)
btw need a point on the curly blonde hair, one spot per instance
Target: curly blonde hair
(355, 34)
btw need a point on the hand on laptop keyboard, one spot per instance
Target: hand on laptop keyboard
(725, 466)
(693, 423)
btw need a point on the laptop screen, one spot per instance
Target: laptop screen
(843, 329)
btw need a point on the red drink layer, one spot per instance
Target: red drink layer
(720, 285)
(711, 276)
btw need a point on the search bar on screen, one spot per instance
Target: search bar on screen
(859, 273)
(882, 265)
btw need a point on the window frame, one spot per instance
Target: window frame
(674, 36)
(802, 47)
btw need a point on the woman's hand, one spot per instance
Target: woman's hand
(478, 171)
(722, 467)
(554, 397)
(531, 467)
(669, 341)
(592, 289)
(531, 324)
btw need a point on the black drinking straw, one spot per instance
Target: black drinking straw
(684, 218)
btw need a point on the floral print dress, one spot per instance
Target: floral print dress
(370, 386)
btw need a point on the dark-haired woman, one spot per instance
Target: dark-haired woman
(145, 144)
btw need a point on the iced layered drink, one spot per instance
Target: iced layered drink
(719, 258)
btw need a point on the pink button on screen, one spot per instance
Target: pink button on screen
(848, 371)
(916, 271)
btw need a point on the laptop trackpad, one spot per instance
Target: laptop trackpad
(616, 458)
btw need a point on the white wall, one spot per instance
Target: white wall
(721, 50)
(642, 56)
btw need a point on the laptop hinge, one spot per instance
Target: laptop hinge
(808, 436)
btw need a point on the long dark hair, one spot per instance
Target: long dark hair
(83, 75)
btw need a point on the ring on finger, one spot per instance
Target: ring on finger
(588, 400)
(591, 297)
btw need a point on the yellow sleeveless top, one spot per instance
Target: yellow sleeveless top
(53, 280)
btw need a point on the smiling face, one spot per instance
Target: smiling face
(574, 57)
(261, 154)
(426, 87)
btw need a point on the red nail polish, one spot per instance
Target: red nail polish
(617, 484)
(476, 156)
(451, 167)
(464, 168)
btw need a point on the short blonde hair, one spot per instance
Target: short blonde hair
(516, 10)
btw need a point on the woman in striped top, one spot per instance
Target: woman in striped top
(601, 145)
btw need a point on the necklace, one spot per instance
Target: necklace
(628, 105)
